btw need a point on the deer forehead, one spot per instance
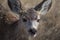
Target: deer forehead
(31, 15)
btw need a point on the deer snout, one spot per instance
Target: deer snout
(32, 31)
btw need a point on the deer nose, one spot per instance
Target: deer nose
(32, 31)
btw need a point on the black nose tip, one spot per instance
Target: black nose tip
(32, 31)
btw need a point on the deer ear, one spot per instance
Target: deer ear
(43, 7)
(15, 5)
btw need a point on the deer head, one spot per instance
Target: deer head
(30, 17)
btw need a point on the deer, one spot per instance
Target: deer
(29, 18)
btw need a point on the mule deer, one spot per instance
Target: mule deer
(30, 17)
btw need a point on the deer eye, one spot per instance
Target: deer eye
(24, 20)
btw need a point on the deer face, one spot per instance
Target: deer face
(31, 17)
(31, 20)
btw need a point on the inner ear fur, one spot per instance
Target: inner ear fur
(15, 5)
(43, 7)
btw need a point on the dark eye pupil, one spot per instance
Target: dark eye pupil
(38, 20)
(24, 20)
